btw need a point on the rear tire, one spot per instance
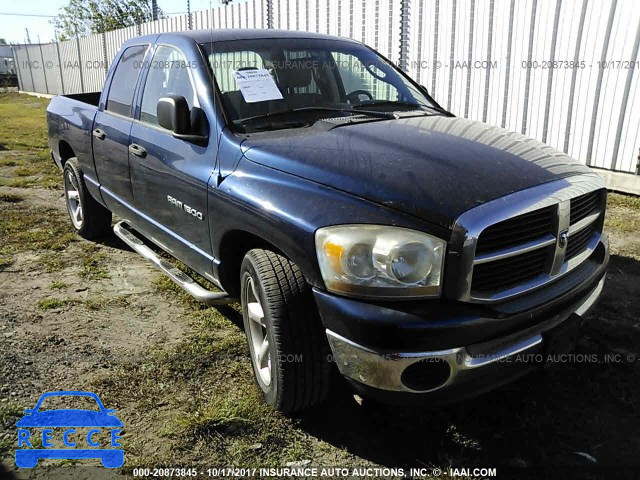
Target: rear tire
(89, 218)
(289, 349)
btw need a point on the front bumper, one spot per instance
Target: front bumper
(452, 350)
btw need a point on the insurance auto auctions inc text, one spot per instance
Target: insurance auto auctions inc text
(357, 472)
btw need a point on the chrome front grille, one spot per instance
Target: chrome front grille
(578, 242)
(540, 234)
(584, 205)
(500, 274)
(517, 230)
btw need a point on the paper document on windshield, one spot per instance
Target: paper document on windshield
(257, 85)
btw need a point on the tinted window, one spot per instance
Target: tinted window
(168, 75)
(124, 80)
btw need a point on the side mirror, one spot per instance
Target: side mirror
(188, 125)
(173, 114)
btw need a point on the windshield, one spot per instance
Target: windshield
(64, 402)
(267, 78)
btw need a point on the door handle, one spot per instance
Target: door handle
(99, 134)
(137, 150)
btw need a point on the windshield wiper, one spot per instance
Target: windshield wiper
(400, 104)
(282, 113)
(376, 103)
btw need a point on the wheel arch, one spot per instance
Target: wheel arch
(234, 245)
(65, 151)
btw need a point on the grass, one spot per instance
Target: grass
(32, 228)
(93, 263)
(222, 416)
(617, 200)
(27, 129)
(58, 285)
(52, 261)
(620, 213)
(9, 414)
(8, 162)
(54, 303)
(26, 170)
(25, 162)
(25, 155)
(10, 411)
(11, 197)
(5, 262)
(97, 304)
(93, 304)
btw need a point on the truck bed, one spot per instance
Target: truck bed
(92, 98)
(70, 122)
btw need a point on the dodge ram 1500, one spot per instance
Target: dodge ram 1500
(360, 225)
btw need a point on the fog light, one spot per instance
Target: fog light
(427, 374)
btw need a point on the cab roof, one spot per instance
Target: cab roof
(218, 35)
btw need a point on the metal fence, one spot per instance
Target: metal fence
(561, 71)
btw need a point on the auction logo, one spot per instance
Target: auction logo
(69, 419)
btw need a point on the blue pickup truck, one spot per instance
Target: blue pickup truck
(363, 228)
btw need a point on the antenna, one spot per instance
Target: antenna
(211, 37)
(213, 89)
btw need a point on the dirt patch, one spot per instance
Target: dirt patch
(64, 327)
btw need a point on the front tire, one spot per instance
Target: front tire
(289, 349)
(89, 218)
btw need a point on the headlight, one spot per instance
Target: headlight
(380, 261)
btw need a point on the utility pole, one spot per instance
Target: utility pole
(28, 37)
(154, 9)
(189, 26)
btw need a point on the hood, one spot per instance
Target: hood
(434, 167)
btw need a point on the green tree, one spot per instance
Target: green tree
(83, 17)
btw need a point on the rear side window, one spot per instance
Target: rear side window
(168, 75)
(124, 80)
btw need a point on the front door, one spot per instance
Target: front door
(169, 175)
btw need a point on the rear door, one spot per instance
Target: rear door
(170, 178)
(112, 127)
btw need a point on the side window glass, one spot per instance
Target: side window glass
(124, 80)
(168, 75)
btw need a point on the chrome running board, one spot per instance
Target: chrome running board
(126, 233)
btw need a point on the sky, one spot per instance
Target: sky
(36, 14)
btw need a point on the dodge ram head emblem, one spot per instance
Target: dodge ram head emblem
(563, 238)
